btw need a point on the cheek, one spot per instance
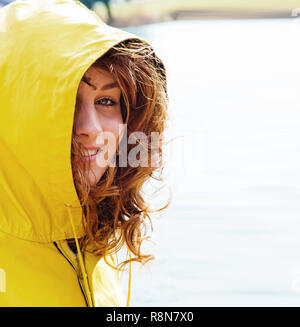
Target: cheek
(117, 127)
(112, 124)
(109, 138)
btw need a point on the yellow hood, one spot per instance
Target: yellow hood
(45, 48)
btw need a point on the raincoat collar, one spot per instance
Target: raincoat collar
(45, 48)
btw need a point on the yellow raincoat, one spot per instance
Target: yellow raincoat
(45, 48)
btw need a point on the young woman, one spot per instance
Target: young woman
(80, 105)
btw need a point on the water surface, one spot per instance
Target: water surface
(232, 234)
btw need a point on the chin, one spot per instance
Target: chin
(94, 179)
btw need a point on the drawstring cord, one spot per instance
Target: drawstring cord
(83, 271)
(129, 283)
(129, 279)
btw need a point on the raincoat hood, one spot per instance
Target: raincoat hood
(45, 48)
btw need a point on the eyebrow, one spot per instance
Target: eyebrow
(108, 86)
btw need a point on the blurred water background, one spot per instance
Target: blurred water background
(231, 236)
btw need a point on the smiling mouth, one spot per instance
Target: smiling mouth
(90, 155)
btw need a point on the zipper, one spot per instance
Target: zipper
(72, 258)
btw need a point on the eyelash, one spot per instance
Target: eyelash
(112, 102)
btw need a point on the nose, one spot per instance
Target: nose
(87, 123)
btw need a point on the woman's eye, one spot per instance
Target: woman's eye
(106, 102)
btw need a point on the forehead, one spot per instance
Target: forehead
(98, 76)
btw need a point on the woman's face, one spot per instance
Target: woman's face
(97, 112)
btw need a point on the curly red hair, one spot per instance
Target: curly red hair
(115, 211)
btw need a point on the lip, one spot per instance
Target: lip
(90, 158)
(92, 147)
(93, 157)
